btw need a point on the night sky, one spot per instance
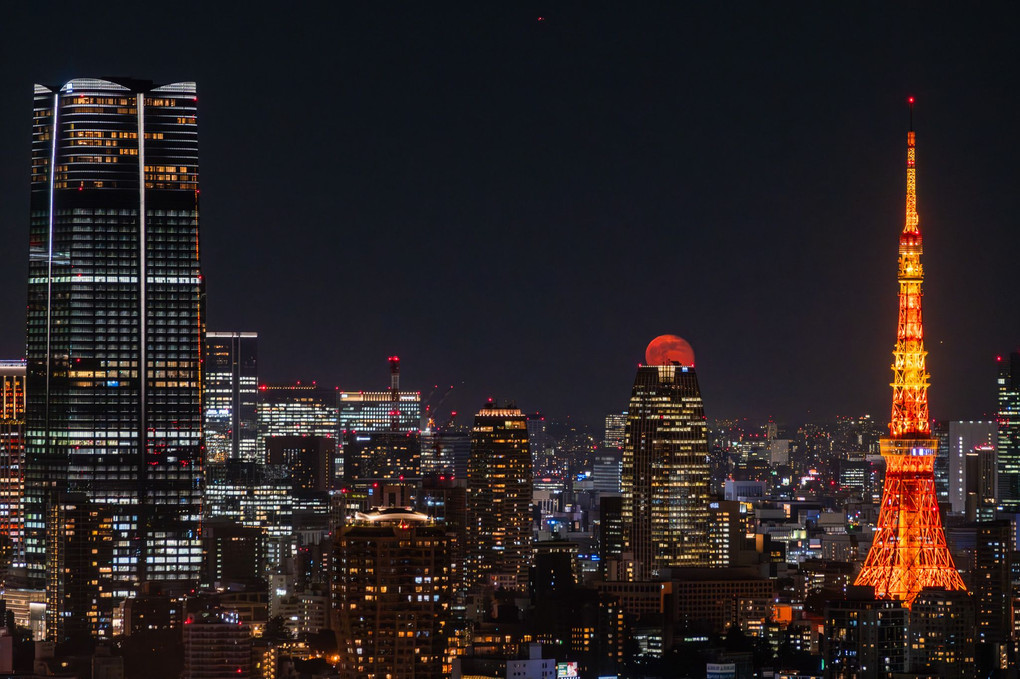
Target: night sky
(518, 206)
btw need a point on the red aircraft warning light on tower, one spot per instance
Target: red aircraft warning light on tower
(909, 551)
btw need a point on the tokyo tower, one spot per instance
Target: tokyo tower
(909, 551)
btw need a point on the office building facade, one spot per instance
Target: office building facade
(388, 455)
(964, 437)
(115, 322)
(666, 475)
(298, 410)
(616, 430)
(230, 396)
(607, 470)
(499, 490)
(941, 629)
(365, 412)
(981, 484)
(1008, 420)
(79, 564)
(307, 459)
(993, 567)
(865, 637)
(217, 645)
(12, 458)
(445, 452)
(392, 594)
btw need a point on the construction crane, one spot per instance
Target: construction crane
(431, 409)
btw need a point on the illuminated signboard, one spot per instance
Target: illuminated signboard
(566, 669)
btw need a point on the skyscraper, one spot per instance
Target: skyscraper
(499, 499)
(253, 495)
(79, 537)
(298, 410)
(994, 557)
(964, 437)
(666, 476)
(230, 383)
(940, 432)
(607, 470)
(608, 464)
(308, 459)
(390, 455)
(980, 479)
(1009, 432)
(616, 430)
(392, 592)
(363, 413)
(941, 634)
(445, 451)
(12, 457)
(370, 425)
(115, 321)
(909, 551)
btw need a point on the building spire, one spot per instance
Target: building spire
(910, 379)
(912, 220)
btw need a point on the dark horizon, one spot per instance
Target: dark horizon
(517, 206)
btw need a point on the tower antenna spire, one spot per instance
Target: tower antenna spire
(910, 226)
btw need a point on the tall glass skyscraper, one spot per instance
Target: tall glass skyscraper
(12, 458)
(666, 477)
(964, 437)
(499, 499)
(115, 322)
(1009, 433)
(231, 396)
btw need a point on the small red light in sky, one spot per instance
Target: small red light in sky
(541, 18)
(910, 100)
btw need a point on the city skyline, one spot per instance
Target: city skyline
(701, 161)
(204, 473)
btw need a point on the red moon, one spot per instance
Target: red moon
(668, 350)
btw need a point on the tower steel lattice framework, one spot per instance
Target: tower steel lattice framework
(909, 551)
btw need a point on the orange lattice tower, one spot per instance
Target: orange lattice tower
(909, 552)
